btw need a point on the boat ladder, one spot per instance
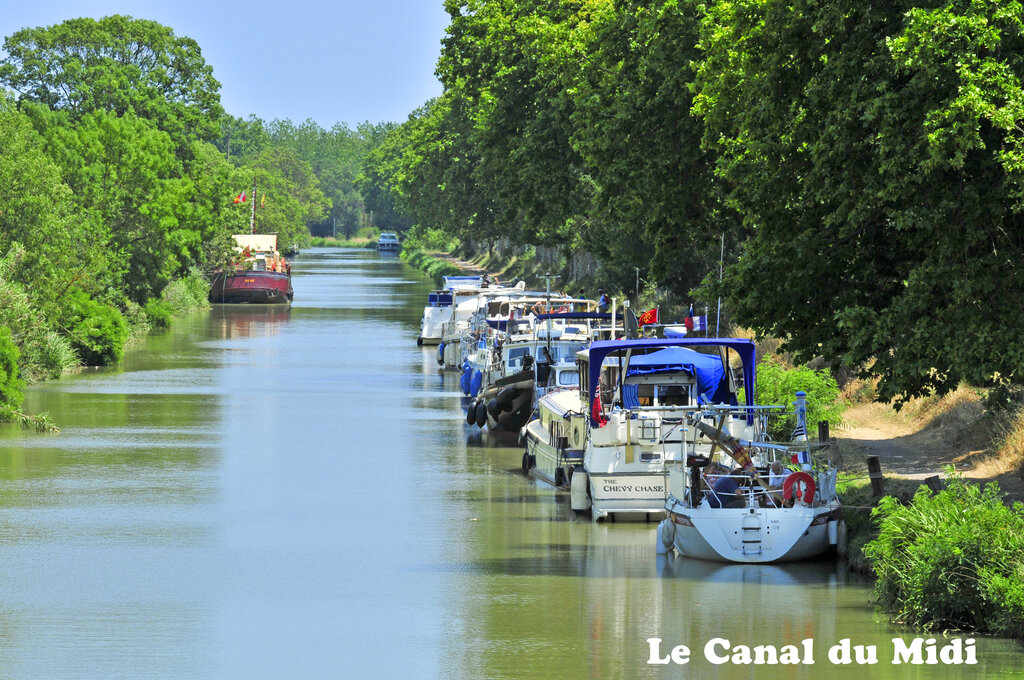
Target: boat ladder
(751, 537)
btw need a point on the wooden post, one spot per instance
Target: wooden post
(934, 484)
(875, 475)
(822, 430)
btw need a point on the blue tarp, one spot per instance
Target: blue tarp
(707, 368)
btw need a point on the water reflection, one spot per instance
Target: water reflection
(243, 321)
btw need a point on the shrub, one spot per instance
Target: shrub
(778, 385)
(954, 560)
(186, 294)
(158, 313)
(10, 383)
(97, 330)
(56, 355)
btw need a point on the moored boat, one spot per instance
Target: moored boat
(635, 394)
(258, 276)
(446, 305)
(734, 495)
(388, 242)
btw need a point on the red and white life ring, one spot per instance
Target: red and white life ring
(807, 495)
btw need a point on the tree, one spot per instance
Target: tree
(657, 205)
(119, 65)
(875, 154)
(289, 195)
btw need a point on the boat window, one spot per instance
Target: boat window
(568, 377)
(515, 356)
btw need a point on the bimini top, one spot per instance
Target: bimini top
(706, 368)
(646, 363)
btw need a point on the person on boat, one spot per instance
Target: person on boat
(603, 303)
(727, 493)
(776, 479)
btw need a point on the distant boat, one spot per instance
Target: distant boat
(259, 276)
(388, 242)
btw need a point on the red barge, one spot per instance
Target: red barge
(261, 275)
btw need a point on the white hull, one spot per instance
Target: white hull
(747, 535)
(546, 460)
(627, 495)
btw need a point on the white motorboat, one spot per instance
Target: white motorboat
(448, 304)
(637, 394)
(388, 242)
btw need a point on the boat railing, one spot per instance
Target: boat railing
(753, 496)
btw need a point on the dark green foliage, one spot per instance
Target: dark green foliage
(875, 153)
(953, 561)
(10, 384)
(119, 65)
(97, 330)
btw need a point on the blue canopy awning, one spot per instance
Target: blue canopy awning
(639, 363)
(707, 368)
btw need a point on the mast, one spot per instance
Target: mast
(252, 217)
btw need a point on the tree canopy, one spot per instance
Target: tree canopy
(864, 164)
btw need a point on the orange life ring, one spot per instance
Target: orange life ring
(787, 486)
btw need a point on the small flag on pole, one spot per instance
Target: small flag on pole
(801, 458)
(648, 317)
(240, 198)
(263, 200)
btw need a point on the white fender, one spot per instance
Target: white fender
(665, 537)
(578, 488)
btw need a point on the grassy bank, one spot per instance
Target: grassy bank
(435, 267)
(951, 561)
(354, 242)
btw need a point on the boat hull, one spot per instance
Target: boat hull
(627, 495)
(252, 287)
(546, 460)
(748, 535)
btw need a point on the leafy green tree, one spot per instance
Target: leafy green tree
(125, 174)
(658, 205)
(875, 154)
(289, 195)
(37, 210)
(119, 65)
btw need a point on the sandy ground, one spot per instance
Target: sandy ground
(916, 451)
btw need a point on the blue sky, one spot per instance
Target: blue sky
(344, 61)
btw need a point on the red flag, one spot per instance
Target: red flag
(596, 412)
(650, 316)
(240, 198)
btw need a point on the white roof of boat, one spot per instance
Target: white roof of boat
(257, 242)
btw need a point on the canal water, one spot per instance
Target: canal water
(294, 493)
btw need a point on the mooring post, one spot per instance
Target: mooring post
(935, 484)
(822, 430)
(875, 475)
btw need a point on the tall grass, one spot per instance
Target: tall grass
(952, 561)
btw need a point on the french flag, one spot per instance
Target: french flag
(801, 458)
(696, 323)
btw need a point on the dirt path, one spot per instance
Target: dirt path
(467, 267)
(915, 451)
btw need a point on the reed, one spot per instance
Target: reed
(951, 561)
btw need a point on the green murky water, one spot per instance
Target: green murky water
(294, 493)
